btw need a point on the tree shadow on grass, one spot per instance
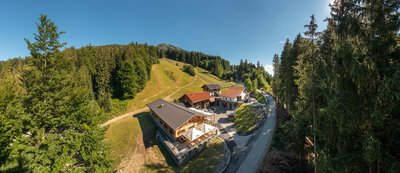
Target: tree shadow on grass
(148, 129)
(158, 167)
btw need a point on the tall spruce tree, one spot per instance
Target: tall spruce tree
(347, 94)
(284, 71)
(276, 79)
(218, 69)
(61, 132)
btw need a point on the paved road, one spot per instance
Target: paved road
(262, 144)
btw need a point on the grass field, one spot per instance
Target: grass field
(204, 77)
(165, 78)
(132, 139)
(207, 160)
(245, 119)
(121, 139)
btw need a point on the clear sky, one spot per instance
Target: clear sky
(233, 29)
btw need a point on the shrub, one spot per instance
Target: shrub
(189, 69)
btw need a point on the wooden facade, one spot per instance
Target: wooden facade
(214, 89)
(176, 133)
(201, 100)
(196, 120)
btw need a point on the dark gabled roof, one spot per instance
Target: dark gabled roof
(173, 115)
(212, 86)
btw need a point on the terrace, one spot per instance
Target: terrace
(188, 142)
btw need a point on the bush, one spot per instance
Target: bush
(189, 69)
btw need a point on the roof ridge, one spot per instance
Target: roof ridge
(180, 107)
(197, 92)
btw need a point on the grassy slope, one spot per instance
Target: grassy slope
(205, 161)
(123, 136)
(204, 77)
(165, 78)
(121, 139)
(245, 119)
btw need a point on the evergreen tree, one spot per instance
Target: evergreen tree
(125, 81)
(276, 79)
(347, 95)
(284, 72)
(11, 114)
(248, 84)
(254, 86)
(189, 69)
(61, 133)
(101, 80)
(218, 69)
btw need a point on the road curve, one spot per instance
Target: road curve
(262, 144)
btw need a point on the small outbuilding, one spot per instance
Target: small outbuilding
(202, 100)
(213, 89)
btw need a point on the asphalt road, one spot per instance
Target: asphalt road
(262, 143)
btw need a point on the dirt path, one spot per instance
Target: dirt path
(134, 164)
(173, 93)
(146, 108)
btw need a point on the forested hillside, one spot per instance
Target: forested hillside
(341, 87)
(214, 64)
(255, 73)
(52, 102)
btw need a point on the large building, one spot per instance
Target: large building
(184, 132)
(232, 98)
(202, 100)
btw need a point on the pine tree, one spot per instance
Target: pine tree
(276, 80)
(11, 113)
(61, 133)
(101, 80)
(284, 72)
(254, 86)
(125, 80)
(218, 69)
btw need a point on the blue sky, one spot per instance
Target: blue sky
(233, 29)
